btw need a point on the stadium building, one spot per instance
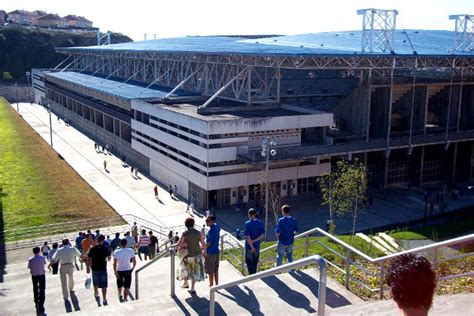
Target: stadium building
(193, 111)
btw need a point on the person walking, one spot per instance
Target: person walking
(97, 262)
(130, 241)
(191, 246)
(170, 190)
(66, 256)
(136, 172)
(212, 250)
(87, 243)
(155, 190)
(124, 264)
(254, 233)
(135, 232)
(285, 233)
(79, 240)
(154, 246)
(131, 170)
(142, 245)
(105, 165)
(115, 243)
(55, 265)
(45, 249)
(38, 278)
(107, 241)
(175, 190)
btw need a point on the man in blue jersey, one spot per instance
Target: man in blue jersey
(285, 234)
(254, 232)
(211, 264)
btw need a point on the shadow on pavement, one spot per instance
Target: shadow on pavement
(247, 301)
(75, 302)
(333, 299)
(290, 296)
(201, 305)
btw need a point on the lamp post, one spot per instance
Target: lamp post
(50, 125)
(28, 74)
(16, 93)
(268, 148)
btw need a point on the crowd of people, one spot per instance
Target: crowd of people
(410, 277)
(95, 251)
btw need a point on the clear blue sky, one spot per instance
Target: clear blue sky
(210, 17)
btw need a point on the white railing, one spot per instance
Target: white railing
(284, 268)
(161, 255)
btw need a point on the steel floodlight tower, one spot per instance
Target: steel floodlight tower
(464, 32)
(103, 38)
(378, 30)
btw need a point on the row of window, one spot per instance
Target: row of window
(163, 145)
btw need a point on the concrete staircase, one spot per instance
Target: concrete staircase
(285, 294)
(382, 242)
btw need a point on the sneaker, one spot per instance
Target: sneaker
(121, 299)
(97, 299)
(105, 303)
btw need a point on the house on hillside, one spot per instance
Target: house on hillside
(3, 16)
(23, 17)
(75, 21)
(52, 20)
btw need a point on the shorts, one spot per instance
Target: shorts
(211, 264)
(124, 279)
(143, 249)
(99, 279)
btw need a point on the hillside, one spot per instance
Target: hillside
(22, 49)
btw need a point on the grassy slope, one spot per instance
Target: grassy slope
(38, 187)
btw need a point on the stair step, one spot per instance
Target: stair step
(390, 241)
(384, 244)
(372, 242)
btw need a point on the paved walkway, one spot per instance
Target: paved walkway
(126, 193)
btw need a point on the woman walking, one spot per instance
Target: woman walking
(191, 249)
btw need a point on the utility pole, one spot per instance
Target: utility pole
(16, 92)
(268, 148)
(50, 125)
(28, 74)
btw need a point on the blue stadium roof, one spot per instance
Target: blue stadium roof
(424, 42)
(122, 90)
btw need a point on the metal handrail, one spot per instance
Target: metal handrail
(380, 262)
(161, 255)
(274, 271)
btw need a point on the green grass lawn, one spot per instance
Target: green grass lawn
(437, 232)
(37, 186)
(317, 246)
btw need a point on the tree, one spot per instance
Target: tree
(7, 76)
(344, 191)
(326, 182)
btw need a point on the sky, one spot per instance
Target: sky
(217, 17)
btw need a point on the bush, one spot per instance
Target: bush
(6, 76)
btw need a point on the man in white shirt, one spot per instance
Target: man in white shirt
(123, 268)
(66, 256)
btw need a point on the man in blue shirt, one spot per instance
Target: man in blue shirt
(254, 232)
(285, 233)
(211, 264)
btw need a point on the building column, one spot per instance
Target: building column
(422, 164)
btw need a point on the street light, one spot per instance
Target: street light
(268, 148)
(50, 125)
(16, 92)
(28, 74)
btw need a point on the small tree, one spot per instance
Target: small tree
(7, 76)
(326, 181)
(345, 190)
